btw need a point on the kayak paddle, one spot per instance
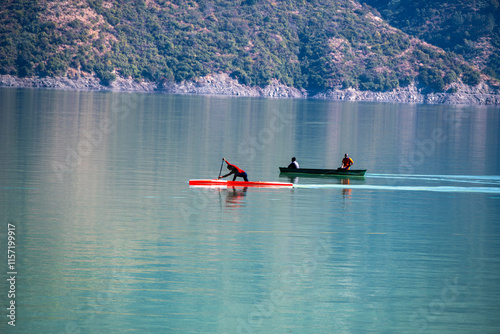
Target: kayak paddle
(222, 164)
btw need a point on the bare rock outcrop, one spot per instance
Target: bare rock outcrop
(482, 94)
(223, 84)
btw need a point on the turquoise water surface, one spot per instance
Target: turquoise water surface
(110, 238)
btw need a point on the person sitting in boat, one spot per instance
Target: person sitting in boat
(346, 162)
(294, 164)
(238, 172)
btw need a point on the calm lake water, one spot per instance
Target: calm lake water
(109, 237)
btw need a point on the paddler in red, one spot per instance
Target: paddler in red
(236, 171)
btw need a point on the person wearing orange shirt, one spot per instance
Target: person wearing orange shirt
(346, 162)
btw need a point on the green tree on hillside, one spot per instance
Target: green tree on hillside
(305, 44)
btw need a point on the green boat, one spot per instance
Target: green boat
(326, 172)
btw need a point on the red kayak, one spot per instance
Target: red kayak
(225, 183)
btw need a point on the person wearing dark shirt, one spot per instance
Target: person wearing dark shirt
(294, 164)
(238, 172)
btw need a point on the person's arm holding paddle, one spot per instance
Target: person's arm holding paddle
(231, 169)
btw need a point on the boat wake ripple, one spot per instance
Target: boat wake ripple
(476, 179)
(488, 190)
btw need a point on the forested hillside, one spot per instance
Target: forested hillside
(468, 28)
(314, 44)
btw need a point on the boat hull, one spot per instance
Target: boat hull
(226, 183)
(326, 172)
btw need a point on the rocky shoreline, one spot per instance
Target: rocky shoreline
(480, 95)
(222, 84)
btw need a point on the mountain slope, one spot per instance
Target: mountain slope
(315, 45)
(468, 28)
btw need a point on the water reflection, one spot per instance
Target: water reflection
(291, 179)
(122, 243)
(346, 191)
(235, 197)
(294, 178)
